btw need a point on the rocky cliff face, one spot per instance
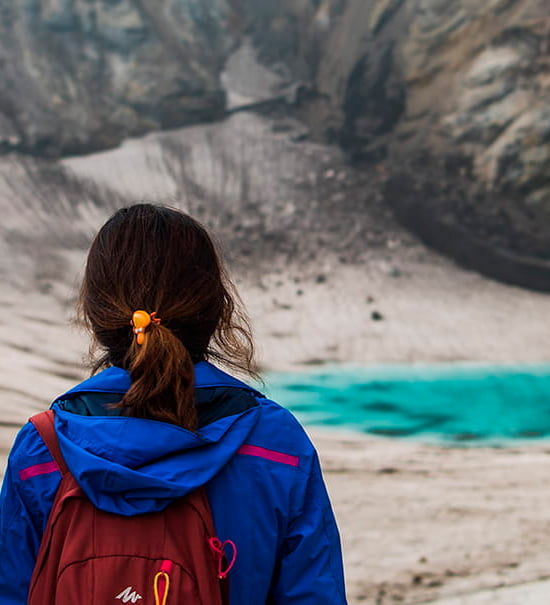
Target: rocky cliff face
(449, 99)
(471, 149)
(80, 75)
(446, 101)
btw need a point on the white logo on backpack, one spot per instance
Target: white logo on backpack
(128, 595)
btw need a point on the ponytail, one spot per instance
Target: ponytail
(162, 375)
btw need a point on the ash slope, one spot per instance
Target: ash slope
(325, 272)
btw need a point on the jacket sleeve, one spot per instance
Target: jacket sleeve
(310, 570)
(24, 511)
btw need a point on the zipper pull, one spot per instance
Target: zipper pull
(161, 596)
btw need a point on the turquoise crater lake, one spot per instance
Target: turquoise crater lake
(456, 403)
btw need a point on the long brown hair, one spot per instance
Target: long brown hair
(158, 259)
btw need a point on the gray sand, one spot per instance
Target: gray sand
(418, 523)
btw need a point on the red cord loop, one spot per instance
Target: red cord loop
(218, 548)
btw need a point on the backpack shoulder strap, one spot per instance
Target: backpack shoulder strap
(44, 423)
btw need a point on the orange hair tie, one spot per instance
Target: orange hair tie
(141, 320)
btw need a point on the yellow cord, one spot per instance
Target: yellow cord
(156, 587)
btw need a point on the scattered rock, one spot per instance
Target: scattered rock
(283, 306)
(396, 272)
(315, 361)
(389, 470)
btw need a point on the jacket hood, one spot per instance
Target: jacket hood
(131, 466)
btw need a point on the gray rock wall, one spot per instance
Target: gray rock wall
(450, 100)
(79, 75)
(447, 99)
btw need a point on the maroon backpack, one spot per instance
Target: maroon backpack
(96, 558)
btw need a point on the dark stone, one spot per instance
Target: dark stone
(381, 406)
(467, 437)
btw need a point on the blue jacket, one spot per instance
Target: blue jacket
(262, 474)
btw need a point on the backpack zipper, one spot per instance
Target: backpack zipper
(163, 574)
